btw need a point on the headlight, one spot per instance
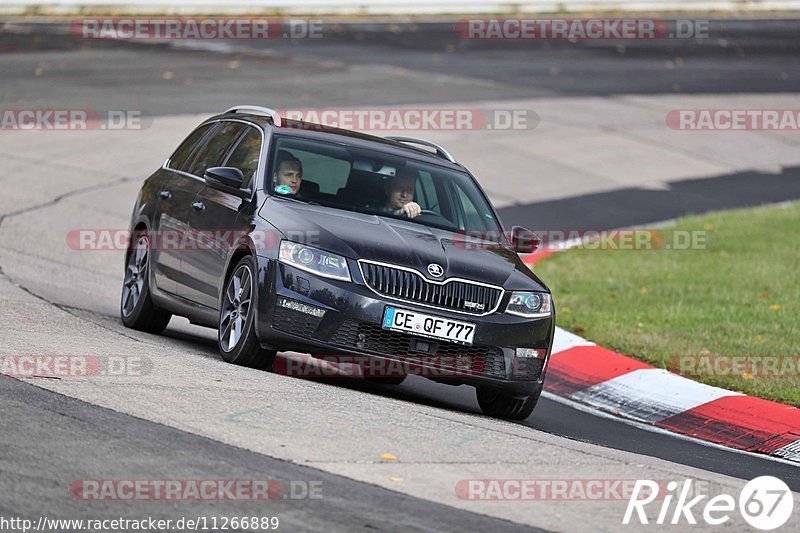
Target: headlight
(530, 304)
(314, 260)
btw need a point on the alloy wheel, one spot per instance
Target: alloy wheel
(235, 308)
(135, 276)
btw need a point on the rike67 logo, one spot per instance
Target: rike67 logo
(765, 503)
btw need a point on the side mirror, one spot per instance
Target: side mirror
(524, 241)
(227, 179)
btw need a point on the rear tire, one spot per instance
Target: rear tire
(496, 403)
(136, 307)
(236, 331)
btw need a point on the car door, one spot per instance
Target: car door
(219, 217)
(176, 189)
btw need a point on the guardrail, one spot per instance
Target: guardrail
(382, 7)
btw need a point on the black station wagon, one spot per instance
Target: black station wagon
(285, 235)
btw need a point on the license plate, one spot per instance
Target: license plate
(428, 326)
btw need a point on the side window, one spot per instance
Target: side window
(210, 155)
(246, 155)
(179, 159)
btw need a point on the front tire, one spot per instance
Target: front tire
(496, 403)
(236, 332)
(136, 307)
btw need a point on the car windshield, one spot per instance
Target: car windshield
(373, 182)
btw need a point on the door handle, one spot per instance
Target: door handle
(198, 206)
(166, 195)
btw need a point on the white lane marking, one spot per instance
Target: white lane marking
(649, 394)
(564, 340)
(655, 429)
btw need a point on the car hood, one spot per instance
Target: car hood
(397, 242)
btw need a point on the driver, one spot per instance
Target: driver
(289, 172)
(400, 195)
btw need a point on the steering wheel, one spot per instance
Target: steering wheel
(438, 217)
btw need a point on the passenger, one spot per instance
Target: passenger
(288, 173)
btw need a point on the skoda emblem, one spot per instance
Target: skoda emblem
(435, 270)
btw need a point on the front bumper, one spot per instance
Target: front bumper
(351, 326)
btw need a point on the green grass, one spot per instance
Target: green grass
(740, 295)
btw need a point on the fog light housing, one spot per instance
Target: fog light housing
(300, 307)
(528, 364)
(530, 353)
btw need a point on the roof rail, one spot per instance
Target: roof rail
(441, 152)
(276, 117)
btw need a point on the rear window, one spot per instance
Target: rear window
(179, 160)
(210, 154)
(246, 154)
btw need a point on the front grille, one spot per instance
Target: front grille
(463, 296)
(295, 322)
(371, 338)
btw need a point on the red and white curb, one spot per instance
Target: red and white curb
(583, 372)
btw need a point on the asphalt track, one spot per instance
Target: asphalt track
(46, 436)
(139, 449)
